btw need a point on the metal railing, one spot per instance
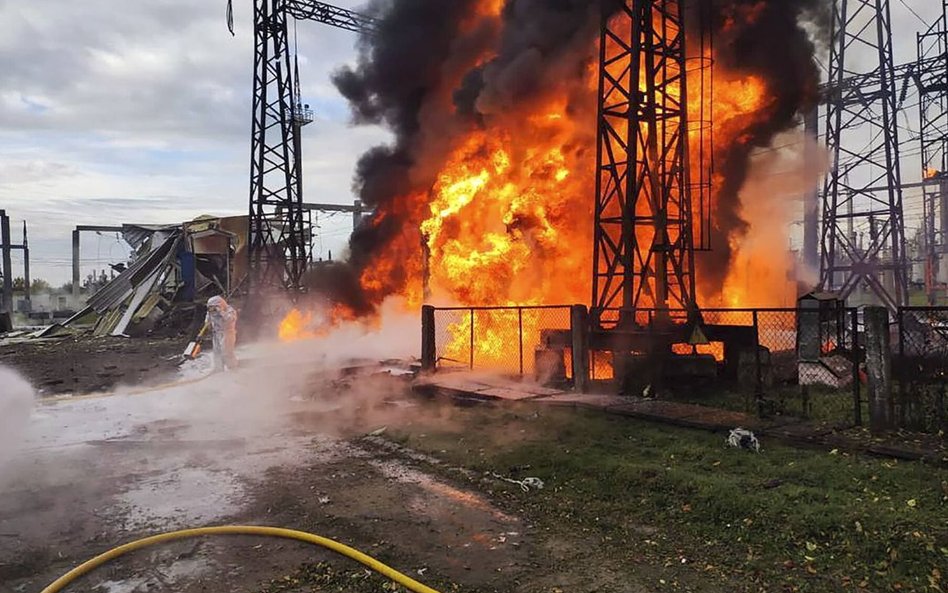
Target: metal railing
(504, 339)
(763, 363)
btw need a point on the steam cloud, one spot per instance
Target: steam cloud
(434, 71)
(16, 403)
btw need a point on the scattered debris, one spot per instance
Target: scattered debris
(743, 439)
(525, 484)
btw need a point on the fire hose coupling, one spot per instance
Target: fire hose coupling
(316, 540)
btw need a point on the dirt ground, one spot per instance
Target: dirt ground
(84, 364)
(253, 447)
(303, 437)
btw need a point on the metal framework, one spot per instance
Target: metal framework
(643, 254)
(700, 71)
(931, 77)
(279, 230)
(863, 226)
(6, 267)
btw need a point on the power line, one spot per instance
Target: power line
(912, 10)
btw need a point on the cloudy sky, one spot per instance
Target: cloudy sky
(139, 111)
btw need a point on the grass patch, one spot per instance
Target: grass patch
(784, 520)
(823, 404)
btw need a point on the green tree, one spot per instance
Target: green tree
(39, 286)
(36, 286)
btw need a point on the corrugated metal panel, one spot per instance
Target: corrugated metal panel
(137, 234)
(120, 289)
(138, 297)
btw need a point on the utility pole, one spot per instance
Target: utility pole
(861, 105)
(75, 264)
(26, 269)
(644, 252)
(5, 248)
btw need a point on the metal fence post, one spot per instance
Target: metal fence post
(520, 334)
(900, 373)
(940, 402)
(579, 330)
(857, 395)
(878, 367)
(472, 339)
(428, 347)
(759, 389)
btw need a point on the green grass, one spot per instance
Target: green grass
(824, 404)
(783, 520)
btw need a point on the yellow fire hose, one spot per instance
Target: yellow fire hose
(369, 562)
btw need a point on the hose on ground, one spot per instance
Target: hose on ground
(344, 550)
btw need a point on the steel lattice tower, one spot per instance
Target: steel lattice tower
(644, 253)
(931, 76)
(279, 230)
(863, 227)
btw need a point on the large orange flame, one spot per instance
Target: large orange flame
(313, 323)
(296, 326)
(509, 219)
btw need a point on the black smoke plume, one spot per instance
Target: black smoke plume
(763, 38)
(435, 70)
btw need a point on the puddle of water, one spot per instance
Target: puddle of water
(182, 570)
(184, 497)
(404, 474)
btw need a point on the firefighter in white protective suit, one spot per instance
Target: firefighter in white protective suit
(222, 319)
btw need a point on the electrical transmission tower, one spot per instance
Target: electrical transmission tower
(279, 233)
(644, 252)
(863, 189)
(931, 76)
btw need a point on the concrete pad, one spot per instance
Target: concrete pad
(539, 389)
(508, 394)
(660, 409)
(461, 384)
(482, 386)
(586, 400)
(582, 401)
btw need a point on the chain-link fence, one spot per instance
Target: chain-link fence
(792, 362)
(920, 369)
(807, 362)
(512, 340)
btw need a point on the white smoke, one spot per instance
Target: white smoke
(16, 404)
(764, 270)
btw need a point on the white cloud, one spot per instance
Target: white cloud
(140, 112)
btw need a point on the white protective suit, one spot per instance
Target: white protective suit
(223, 321)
